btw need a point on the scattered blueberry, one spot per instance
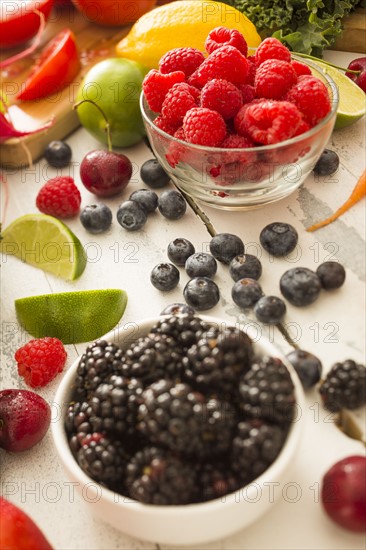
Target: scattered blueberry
(307, 366)
(201, 293)
(225, 246)
(246, 292)
(245, 266)
(177, 309)
(96, 218)
(331, 274)
(172, 204)
(131, 216)
(270, 310)
(164, 276)
(153, 174)
(327, 164)
(146, 198)
(58, 154)
(201, 264)
(278, 239)
(300, 286)
(179, 250)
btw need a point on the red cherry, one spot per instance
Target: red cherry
(105, 173)
(358, 64)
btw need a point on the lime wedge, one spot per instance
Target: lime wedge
(45, 242)
(352, 100)
(73, 317)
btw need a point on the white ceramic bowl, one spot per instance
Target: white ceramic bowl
(190, 524)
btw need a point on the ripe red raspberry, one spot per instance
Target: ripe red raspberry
(252, 69)
(204, 127)
(269, 122)
(156, 85)
(271, 48)
(179, 134)
(235, 141)
(226, 63)
(221, 35)
(164, 125)
(274, 78)
(311, 97)
(181, 59)
(40, 360)
(59, 197)
(239, 119)
(247, 92)
(177, 102)
(221, 96)
(300, 68)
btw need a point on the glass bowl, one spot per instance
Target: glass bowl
(242, 179)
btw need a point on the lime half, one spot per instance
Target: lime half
(45, 242)
(73, 317)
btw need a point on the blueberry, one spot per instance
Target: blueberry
(225, 246)
(172, 204)
(58, 154)
(307, 366)
(279, 239)
(153, 174)
(146, 198)
(270, 310)
(246, 292)
(201, 264)
(131, 216)
(96, 218)
(177, 309)
(179, 250)
(245, 266)
(300, 286)
(327, 163)
(164, 276)
(331, 274)
(201, 293)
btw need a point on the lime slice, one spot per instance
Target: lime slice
(352, 100)
(45, 242)
(73, 317)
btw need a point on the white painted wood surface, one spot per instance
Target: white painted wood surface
(333, 328)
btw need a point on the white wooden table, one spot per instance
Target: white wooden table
(333, 328)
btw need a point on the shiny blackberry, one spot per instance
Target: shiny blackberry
(216, 479)
(186, 329)
(201, 293)
(79, 422)
(201, 264)
(246, 293)
(225, 246)
(331, 274)
(300, 286)
(308, 367)
(344, 386)
(102, 459)
(179, 251)
(164, 276)
(278, 238)
(245, 266)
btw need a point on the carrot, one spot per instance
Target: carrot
(357, 194)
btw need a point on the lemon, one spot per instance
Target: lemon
(178, 24)
(73, 317)
(45, 242)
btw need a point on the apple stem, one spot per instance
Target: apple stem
(107, 125)
(328, 63)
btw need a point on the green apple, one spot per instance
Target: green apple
(114, 84)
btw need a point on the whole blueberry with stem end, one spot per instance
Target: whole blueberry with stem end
(201, 293)
(278, 238)
(179, 251)
(164, 276)
(246, 292)
(131, 216)
(201, 264)
(245, 266)
(225, 246)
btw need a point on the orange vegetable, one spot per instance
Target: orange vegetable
(357, 194)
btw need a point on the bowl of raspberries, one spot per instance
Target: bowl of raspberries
(233, 130)
(174, 429)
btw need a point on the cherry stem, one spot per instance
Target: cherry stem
(327, 63)
(107, 125)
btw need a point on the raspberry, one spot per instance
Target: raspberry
(252, 68)
(40, 360)
(165, 125)
(269, 122)
(221, 36)
(239, 119)
(311, 97)
(234, 141)
(247, 92)
(221, 96)
(59, 197)
(300, 68)
(271, 48)
(226, 62)
(181, 59)
(156, 85)
(177, 102)
(274, 78)
(204, 127)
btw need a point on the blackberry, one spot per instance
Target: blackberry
(245, 266)
(307, 366)
(131, 216)
(155, 476)
(164, 276)
(171, 204)
(101, 358)
(344, 386)
(201, 293)
(225, 246)
(96, 218)
(216, 479)
(201, 264)
(278, 239)
(256, 445)
(177, 309)
(300, 286)
(185, 421)
(146, 198)
(246, 293)
(331, 274)
(186, 329)
(267, 391)
(153, 174)
(327, 164)
(79, 422)
(102, 459)
(218, 359)
(179, 251)
(270, 309)
(58, 154)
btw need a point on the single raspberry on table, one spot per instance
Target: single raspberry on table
(226, 63)
(40, 360)
(59, 197)
(271, 48)
(156, 85)
(311, 97)
(204, 127)
(274, 78)
(221, 96)
(221, 36)
(177, 102)
(181, 59)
